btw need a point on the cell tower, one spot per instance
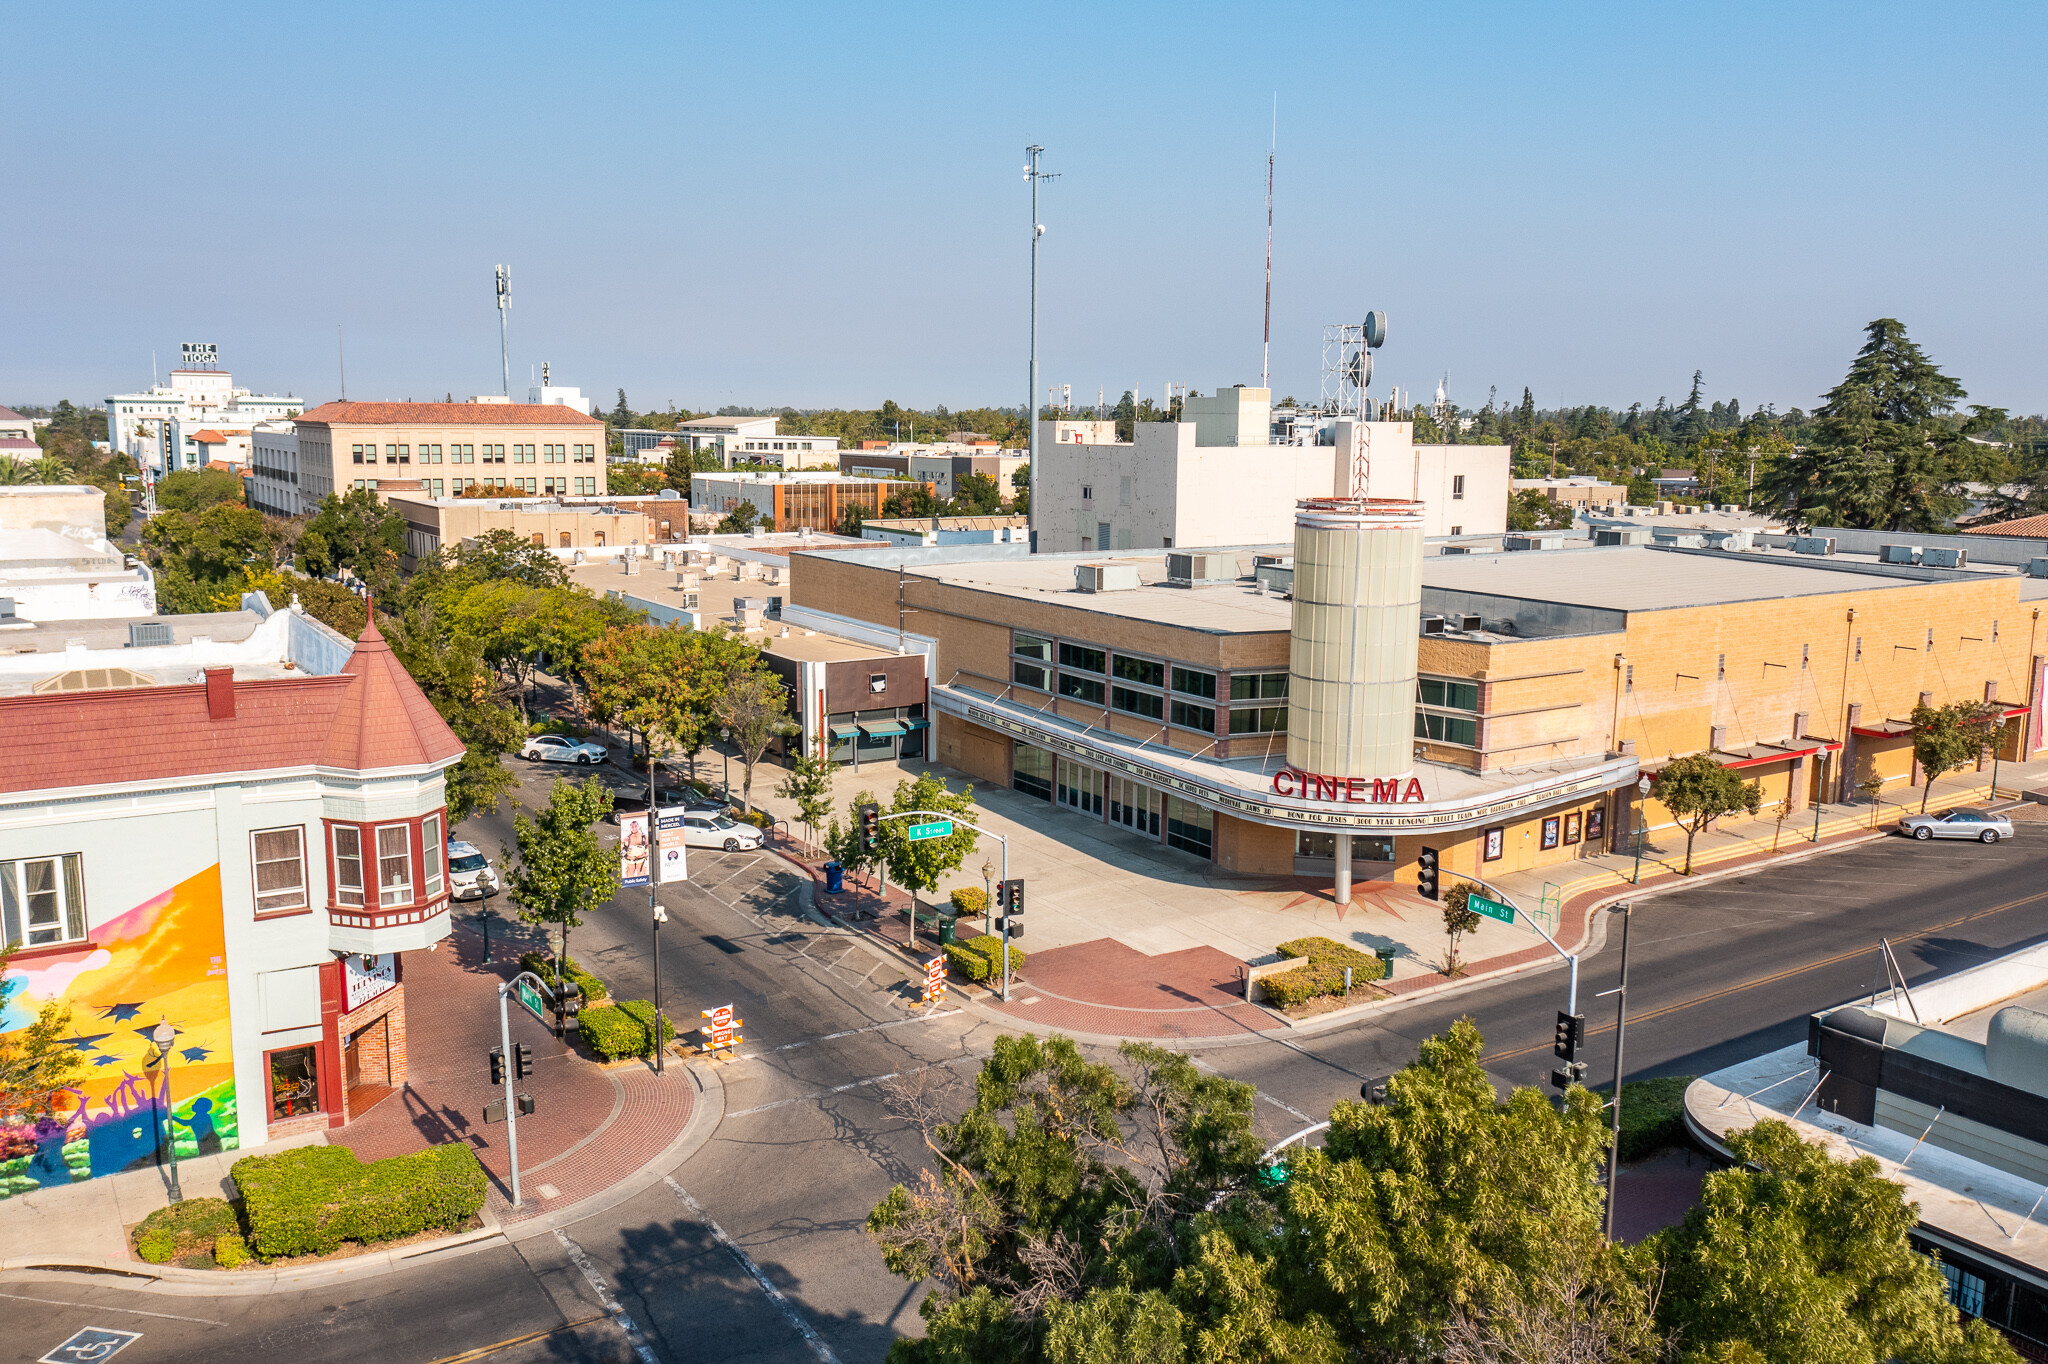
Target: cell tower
(1347, 364)
(504, 345)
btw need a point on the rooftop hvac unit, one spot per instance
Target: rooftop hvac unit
(2037, 568)
(1945, 558)
(1471, 623)
(689, 601)
(1455, 549)
(1513, 542)
(669, 493)
(1432, 625)
(1898, 554)
(1622, 535)
(149, 634)
(6, 608)
(1105, 577)
(1813, 544)
(1200, 570)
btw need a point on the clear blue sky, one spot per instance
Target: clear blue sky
(822, 204)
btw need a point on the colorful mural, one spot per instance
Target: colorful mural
(164, 960)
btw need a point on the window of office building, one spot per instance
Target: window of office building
(1031, 646)
(1081, 656)
(1195, 682)
(1190, 827)
(1258, 720)
(1433, 691)
(1143, 671)
(1447, 729)
(1149, 704)
(1457, 486)
(1188, 715)
(280, 857)
(1081, 688)
(1258, 686)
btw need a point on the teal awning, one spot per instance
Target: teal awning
(917, 724)
(881, 729)
(843, 731)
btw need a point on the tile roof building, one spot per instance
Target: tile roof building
(233, 823)
(2025, 528)
(449, 448)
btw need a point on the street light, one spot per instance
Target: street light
(660, 918)
(1642, 824)
(164, 1035)
(988, 896)
(725, 738)
(1627, 912)
(1822, 794)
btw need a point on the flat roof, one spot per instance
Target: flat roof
(51, 636)
(1641, 578)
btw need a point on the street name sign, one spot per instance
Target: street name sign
(938, 828)
(1492, 909)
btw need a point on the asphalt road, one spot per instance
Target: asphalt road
(807, 1144)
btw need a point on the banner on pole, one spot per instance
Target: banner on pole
(634, 850)
(673, 857)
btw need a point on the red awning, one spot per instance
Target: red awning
(1890, 729)
(1760, 754)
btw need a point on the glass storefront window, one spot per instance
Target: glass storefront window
(1190, 827)
(1031, 771)
(294, 1082)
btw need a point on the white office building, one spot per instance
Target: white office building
(161, 426)
(277, 484)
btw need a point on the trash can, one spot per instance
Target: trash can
(948, 932)
(835, 879)
(1386, 956)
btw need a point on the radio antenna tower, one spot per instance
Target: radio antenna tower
(1266, 361)
(1033, 176)
(504, 346)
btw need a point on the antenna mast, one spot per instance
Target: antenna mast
(1034, 175)
(504, 348)
(341, 360)
(1266, 361)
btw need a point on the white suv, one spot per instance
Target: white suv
(470, 874)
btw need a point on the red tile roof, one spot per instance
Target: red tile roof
(448, 414)
(2026, 528)
(209, 437)
(370, 715)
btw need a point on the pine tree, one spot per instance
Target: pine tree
(622, 414)
(1690, 424)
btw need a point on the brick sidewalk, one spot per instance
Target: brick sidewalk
(591, 1127)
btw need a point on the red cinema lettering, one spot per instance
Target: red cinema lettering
(1414, 791)
(1386, 789)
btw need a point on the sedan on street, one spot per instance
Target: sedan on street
(554, 748)
(710, 829)
(1981, 825)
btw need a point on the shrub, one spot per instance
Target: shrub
(967, 961)
(542, 965)
(183, 1229)
(990, 946)
(230, 1251)
(1652, 1115)
(310, 1200)
(625, 1029)
(1328, 951)
(1323, 971)
(969, 901)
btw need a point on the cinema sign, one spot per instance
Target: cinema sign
(1290, 781)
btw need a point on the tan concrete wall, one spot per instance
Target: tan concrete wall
(982, 754)
(1253, 849)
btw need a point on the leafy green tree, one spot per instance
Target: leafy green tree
(194, 490)
(1459, 919)
(1793, 1257)
(1946, 738)
(1696, 790)
(37, 1062)
(918, 866)
(743, 517)
(499, 554)
(1887, 451)
(463, 687)
(809, 784)
(911, 499)
(1529, 509)
(198, 555)
(353, 530)
(976, 495)
(562, 869)
(751, 709)
(637, 677)
(851, 518)
(333, 605)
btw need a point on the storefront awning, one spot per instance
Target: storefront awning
(1756, 755)
(917, 724)
(881, 729)
(843, 731)
(1889, 729)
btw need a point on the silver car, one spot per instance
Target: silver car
(1981, 825)
(553, 748)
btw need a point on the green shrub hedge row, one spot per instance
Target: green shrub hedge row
(624, 1029)
(1322, 975)
(981, 957)
(184, 1229)
(541, 965)
(310, 1200)
(1652, 1115)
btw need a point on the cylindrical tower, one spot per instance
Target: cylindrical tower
(1351, 659)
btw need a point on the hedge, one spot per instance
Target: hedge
(184, 1228)
(623, 1029)
(990, 946)
(310, 1200)
(542, 965)
(969, 901)
(1323, 973)
(1652, 1115)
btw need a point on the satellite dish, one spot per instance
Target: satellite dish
(1375, 329)
(1359, 371)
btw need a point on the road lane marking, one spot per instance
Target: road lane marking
(1776, 976)
(854, 1032)
(746, 1262)
(104, 1307)
(605, 1299)
(852, 1084)
(482, 1351)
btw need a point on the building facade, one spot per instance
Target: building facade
(159, 427)
(56, 562)
(431, 523)
(246, 856)
(792, 501)
(531, 448)
(277, 485)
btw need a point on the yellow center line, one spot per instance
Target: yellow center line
(1774, 977)
(480, 1351)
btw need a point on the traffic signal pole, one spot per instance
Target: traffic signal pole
(511, 1067)
(1523, 916)
(986, 833)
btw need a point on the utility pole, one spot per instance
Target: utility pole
(1033, 175)
(504, 346)
(1266, 362)
(1626, 910)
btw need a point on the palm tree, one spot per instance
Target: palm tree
(15, 471)
(50, 469)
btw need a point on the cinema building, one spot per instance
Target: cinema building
(1334, 705)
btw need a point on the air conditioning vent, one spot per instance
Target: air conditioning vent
(1898, 554)
(1105, 577)
(1187, 569)
(1814, 544)
(1432, 625)
(149, 634)
(1945, 558)
(1471, 623)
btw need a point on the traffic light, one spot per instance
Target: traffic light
(1571, 1031)
(497, 1066)
(1569, 1074)
(870, 826)
(1425, 874)
(522, 1060)
(1010, 900)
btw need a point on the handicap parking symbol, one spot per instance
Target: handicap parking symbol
(91, 1346)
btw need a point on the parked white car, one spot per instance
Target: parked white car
(711, 829)
(1981, 825)
(470, 874)
(553, 748)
